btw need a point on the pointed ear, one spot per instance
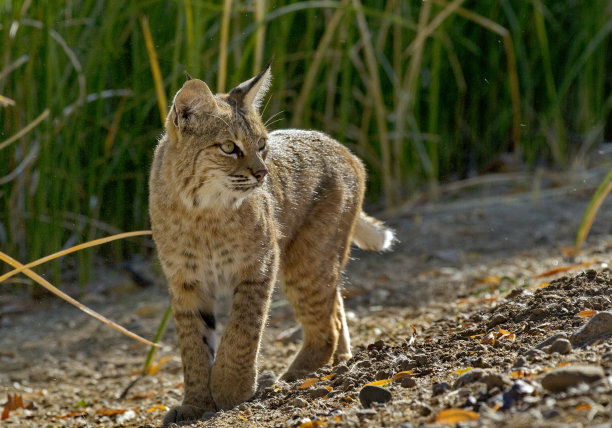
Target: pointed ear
(249, 94)
(194, 97)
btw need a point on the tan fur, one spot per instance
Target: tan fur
(220, 230)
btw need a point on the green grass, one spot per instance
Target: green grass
(423, 91)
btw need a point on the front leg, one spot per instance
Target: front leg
(234, 373)
(195, 326)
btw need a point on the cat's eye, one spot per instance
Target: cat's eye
(228, 147)
(261, 144)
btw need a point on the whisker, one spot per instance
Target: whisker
(273, 122)
(273, 116)
(266, 105)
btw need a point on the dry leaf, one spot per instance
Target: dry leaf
(329, 376)
(461, 371)
(382, 382)
(308, 382)
(110, 412)
(490, 279)
(566, 268)
(583, 406)
(242, 417)
(454, 416)
(587, 313)
(70, 415)
(313, 424)
(402, 375)
(14, 402)
(158, 407)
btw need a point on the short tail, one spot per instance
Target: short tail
(372, 234)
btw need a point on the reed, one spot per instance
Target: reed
(424, 92)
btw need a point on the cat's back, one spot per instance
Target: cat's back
(311, 172)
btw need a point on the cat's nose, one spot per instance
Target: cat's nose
(259, 175)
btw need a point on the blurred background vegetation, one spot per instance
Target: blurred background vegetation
(425, 92)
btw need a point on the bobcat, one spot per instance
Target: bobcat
(233, 209)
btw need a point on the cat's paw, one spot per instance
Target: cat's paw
(293, 375)
(183, 413)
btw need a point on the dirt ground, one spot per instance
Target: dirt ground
(478, 308)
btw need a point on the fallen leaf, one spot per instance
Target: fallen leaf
(329, 376)
(242, 417)
(158, 407)
(402, 375)
(383, 382)
(313, 424)
(583, 406)
(587, 313)
(454, 416)
(14, 402)
(70, 415)
(490, 279)
(110, 412)
(566, 268)
(461, 371)
(308, 382)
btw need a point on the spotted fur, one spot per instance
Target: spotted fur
(234, 209)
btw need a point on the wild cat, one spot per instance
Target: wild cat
(234, 209)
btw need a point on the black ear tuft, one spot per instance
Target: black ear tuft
(188, 76)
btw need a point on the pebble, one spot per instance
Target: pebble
(318, 392)
(561, 378)
(599, 326)
(408, 382)
(340, 369)
(439, 388)
(373, 394)
(299, 402)
(561, 346)
(519, 362)
(469, 377)
(550, 340)
(493, 380)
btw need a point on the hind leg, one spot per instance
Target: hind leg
(343, 349)
(312, 265)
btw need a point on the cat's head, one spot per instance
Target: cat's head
(218, 143)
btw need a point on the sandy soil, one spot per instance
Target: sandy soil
(458, 316)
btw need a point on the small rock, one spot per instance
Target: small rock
(127, 416)
(519, 362)
(408, 382)
(439, 388)
(599, 326)
(561, 378)
(493, 380)
(406, 425)
(421, 359)
(379, 344)
(550, 340)
(382, 374)
(373, 394)
(534, 354)
(406, 364)
(363, 364)
(342, 368)
(561, 346)
(424, 409)
(318, 392)
(496, 320)
(480, 363)
(469, 377)
(366, 413)
(299, 402)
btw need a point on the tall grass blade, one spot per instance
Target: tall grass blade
(223, 42)
(46, 284)
(25, 129)
(591, 211)
(155, 70)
